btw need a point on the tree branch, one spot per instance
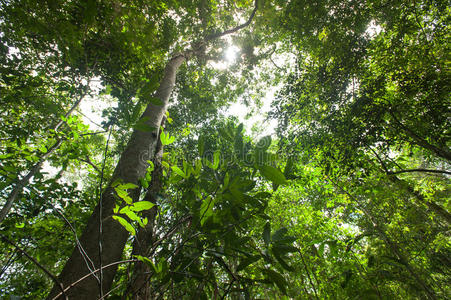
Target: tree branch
(235, 29)
(44, 269)
(419, 170)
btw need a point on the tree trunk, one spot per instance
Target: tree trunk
(131, 167)
(139, 286)
(439, 210)
(21, 183)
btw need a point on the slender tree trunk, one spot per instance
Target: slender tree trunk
(392, 246)
(438, 209)
(443, 153)
(131, 167)
(21, 183)
(402, 259)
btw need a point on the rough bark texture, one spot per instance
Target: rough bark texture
(139, 287)
(131, 167)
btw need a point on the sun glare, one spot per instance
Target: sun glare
(231, 53)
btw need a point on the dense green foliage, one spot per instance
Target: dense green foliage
(349, 199)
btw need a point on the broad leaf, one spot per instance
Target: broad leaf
(125, 224)
(248, 261)
(142, 205)
(278, 279)
(272, 174)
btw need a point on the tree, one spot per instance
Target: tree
(349, 198)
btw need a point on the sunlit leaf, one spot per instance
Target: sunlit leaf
(125, 224)
(142, 205)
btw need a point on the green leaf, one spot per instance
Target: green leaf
(144, 183)
(130, 214)
(226, 181)
(282, 249)
(142, 205)
(278, 279)
(147, 261)
(166, 139)
(179, 171)
(201, 145)
(20, 225)
(267, 233)
(272, 174)
(123, 195)
(165, 164)
(283, 263)
(143, 126)
(264, 143)
(125, 224)
(239, 129)
(206, 209)
(278, 235)
(116, 182)
(248, 261)
(42, 148)
(128, 186)
(216, 157)
(288, 168)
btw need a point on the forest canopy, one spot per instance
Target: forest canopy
(126, 172)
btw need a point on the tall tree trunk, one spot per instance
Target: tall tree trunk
(139, 286)
(131, 167)
(396, 251)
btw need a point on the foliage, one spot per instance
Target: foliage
(348, 200)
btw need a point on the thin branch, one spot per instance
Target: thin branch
(44, 269)
(93, 273)
(100, 213)
(228, 289)
(83, 253)
(89, 162)
(80, 247)
(21, 183)
(308, 274)
(419, 170)
(170, 232)
(275, 65)
(235, 29)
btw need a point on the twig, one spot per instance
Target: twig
(53, 277)
(92, 273)
(419, 170)
(228, 289)
(89, 162)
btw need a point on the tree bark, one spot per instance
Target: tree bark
(131, 167)
(139, 286)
